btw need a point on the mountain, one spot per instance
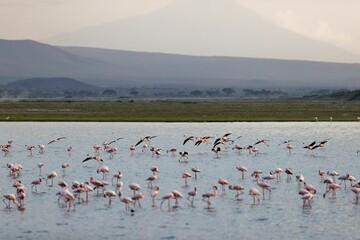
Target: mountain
(204, 28)
(60, 84)
(24, 59)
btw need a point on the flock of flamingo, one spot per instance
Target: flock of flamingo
(71, 195)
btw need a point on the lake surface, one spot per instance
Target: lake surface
(281, 216)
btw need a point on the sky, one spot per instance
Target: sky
(332, 21)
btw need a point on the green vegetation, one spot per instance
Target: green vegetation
(179, 110)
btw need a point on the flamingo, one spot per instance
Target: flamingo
(190, 138)
(11, 198)
(30, 148)
(167, 197)
(151, 179)
(154, 170)
(68, 198)
(192, 195)
(127, 201)
(145, 139)
(109, 194)
(223, 182)
(56, 140)
(177, 195)
(41, 148)
(239, 190)
(331, 187)
(310, 188)
(237, 148)
(278, 171)
(184, 156)
(154, 194)
(343, 179)
(242, 169)
(98, 184)
(118, 176)
(69, 150)
(132, 149)
(135, 187)
(264, 186)
(104, 169)
(321, 174)
(206, 196)
(64, 166)
(185, 176)
(20, 195)
(356, 191)
(307, 199)
(96, 158)
(40, 166)
(172, 151)
(217, 151)
(137, 197)
(119, 186)
(51, 176)
(333, 174)
(63, 184)
(195, 170)
(254, 193)
(35, 183)
(289, 147)
(288, 172)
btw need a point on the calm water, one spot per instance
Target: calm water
(275, 218)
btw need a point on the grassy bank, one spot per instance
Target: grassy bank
(179, 110)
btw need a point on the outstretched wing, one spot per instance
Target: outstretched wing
(141, 140)
(87, 159)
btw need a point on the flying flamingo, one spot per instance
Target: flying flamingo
(96, 158)
(56, 140)
(206, 197)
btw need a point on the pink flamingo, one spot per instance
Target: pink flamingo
(154, 170)
(135, 187)
(64, 166)
(104, 170)
(289, 147)
(137, 197)
(206, 197)
(254, 193)
(185, 176)
(192, 195)
(109, 194)
(242, 169)
(288, 172)
(239, 190)
(331, 187)
(132, 149)
(40, 166)
(69, 150)
(35, 183)
(195, 170)
(151, 179)
(41, 148)
(51, 176)
(223, 182)
(264, 185)
(127, 201)
(11, 198)
(307, 199)
(167, 197)
(154, 194)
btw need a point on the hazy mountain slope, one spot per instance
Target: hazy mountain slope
(230, 70)
(115, 68)
(204, 27)
(52, 84)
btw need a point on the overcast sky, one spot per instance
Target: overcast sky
(333, 21)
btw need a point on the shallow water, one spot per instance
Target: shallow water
(280, 216)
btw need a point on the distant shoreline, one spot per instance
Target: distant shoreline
(179, 110)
